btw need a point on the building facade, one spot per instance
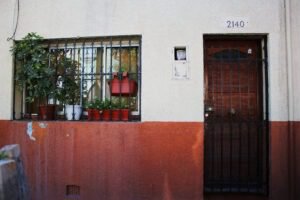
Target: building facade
(217, 100)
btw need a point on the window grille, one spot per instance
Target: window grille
(102, 72)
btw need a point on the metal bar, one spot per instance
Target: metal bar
(267, 113)
(248, 135)
(222, 124)
(92, 71)
(115, 37)
(213, 131)
(82, 75)
(102, 70)
(76, 51)
(240, 127)
(129, 67)
(120, 71)
(64, 75)
(258, 132)
(14, 89)
(129, 71)
(111, 52)
(230, 126)
(56, 75)
(139, 71)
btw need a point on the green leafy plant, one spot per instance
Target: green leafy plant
(95, 104)
(106, 104)
(3, 155)
(120, 103)
(33, 73)
(98, 104)
(68, 78)
(90, 105)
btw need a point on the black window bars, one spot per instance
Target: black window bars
(97, 79)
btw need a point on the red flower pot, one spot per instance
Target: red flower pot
(90, 114)
(115, 115)
(124, 114)
(124, 87)
(47, 112)
(96, 115)
(106, 115)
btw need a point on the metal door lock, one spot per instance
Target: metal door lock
(209, 109)
(232, 111)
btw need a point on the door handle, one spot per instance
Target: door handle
(209, 109)
(232, 111)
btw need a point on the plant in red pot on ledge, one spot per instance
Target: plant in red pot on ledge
(115, 111)
(120, 109)
(125, 111)
(34, 75)
(106, 113)
(94, 109)
(90, 110)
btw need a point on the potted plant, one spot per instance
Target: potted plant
(115, 111)
(33, 73)
(120, 109)
(98, 109)
(121, 85)
(94, 109)
(106, 113)
(90, 110)
(125, 111)
(68, 86)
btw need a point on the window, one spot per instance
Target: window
(102, 73)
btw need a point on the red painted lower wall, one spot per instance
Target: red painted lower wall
(111, 161)
(296, 155)
(135, 161)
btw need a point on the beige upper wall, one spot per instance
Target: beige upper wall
(163, 24)
(6, 24)
(295, 49)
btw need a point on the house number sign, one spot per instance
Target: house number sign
(236, 23)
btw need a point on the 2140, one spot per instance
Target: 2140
(235, 24)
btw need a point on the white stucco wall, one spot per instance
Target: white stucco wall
(6, 70)
(163, 24)
(295, 49)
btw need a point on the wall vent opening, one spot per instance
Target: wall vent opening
(72, 190)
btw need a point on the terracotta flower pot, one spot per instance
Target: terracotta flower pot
(46, 112)
(124, 87)
(96, 114)
(90, 114)
(106, 115)
(115, 114)
(124, 114)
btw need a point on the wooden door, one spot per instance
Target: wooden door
(234, 123)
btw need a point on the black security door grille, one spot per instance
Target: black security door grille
(236, 116)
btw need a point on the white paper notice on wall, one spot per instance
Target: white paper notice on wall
(180, 71)
(180, 63)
